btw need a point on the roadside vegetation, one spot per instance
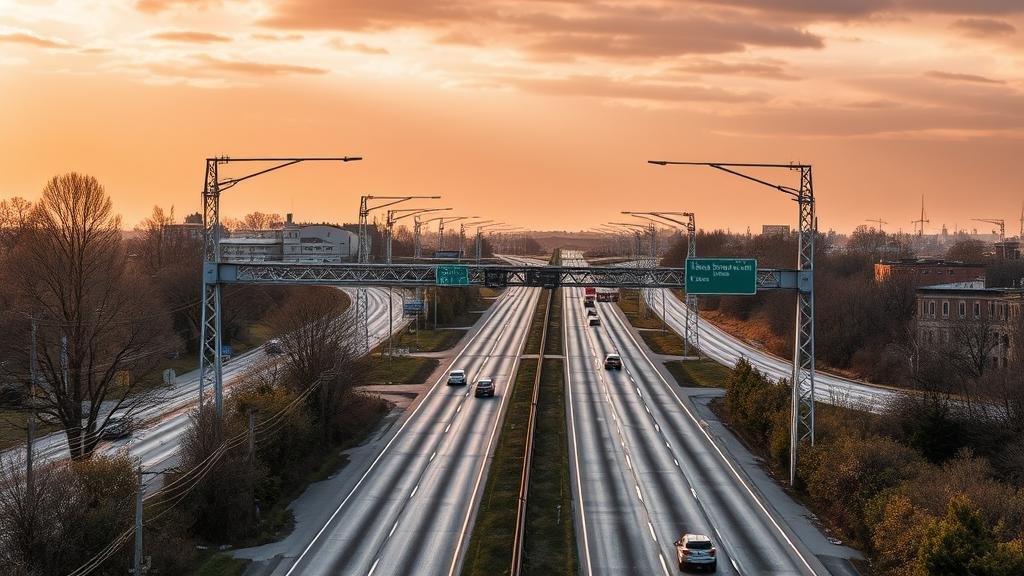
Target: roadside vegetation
(921, 489)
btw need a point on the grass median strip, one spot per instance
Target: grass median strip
(702, 373)
(490, 549)
(550, 546)
(424, 340)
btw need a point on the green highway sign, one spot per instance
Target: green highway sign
(721, 276)
(452, 275)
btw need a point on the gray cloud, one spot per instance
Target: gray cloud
(982, 27)
(958, 77)
(600, 87)
(774, 70)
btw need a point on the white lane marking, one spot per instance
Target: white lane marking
(392, 441)
(502, 409)
(638, 494)
(446, 428)
(735, 565)
(459, 409)
(721, 455)
(576, 454)
(651, 528)
(417, 487)
(676, 462)
(393, 528)
(432, 456)
(638, 392)
(656, 427)
(374, 567)
(694, 492)
(646, 408)
(629, 464)
(664, 566)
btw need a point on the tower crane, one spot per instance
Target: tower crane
(880, 222)
(1002, 230)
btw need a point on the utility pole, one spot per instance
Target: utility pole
(30, 490)
(137, 556)
(921, 221)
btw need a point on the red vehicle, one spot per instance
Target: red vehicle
(589, 296)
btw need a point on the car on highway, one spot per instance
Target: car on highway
(484, 387)
(457, 378)
(591, 312)
(117, 426)
(612, 362)
(695, 551)
(273, 346)
(595, 321)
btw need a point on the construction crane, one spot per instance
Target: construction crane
(880, 222)
(998, 222)
(1002, 230)
(922, 221)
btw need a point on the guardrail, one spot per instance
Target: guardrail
(524, 482)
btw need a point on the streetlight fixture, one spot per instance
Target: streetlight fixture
(692, 331)
(802, 408)
(479, 237)
(211, 343)
(396, 215)
(440, 229)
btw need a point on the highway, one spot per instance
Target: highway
(411, 510)
(155, 441)
(645, 471)
(727, 349)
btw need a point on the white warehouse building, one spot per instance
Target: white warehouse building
(315, 243)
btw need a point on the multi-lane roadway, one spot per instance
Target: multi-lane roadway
(155, 441)
(411, 510)
(645, 471)
(728, 350)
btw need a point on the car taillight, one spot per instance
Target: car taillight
(711, 552)
(686, 552)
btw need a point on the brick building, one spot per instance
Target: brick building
(946, 311)
(925, 272)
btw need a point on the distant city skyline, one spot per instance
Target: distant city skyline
(539, 114)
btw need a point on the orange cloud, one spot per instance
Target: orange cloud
(32, 39)
(190, 36)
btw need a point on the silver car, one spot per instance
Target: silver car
(696, 550)
(457, 378)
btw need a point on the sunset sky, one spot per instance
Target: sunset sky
(538, 113)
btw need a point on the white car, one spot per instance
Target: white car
(457, 378)
(696, 550)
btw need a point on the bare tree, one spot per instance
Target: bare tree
(319, 343)
(153, 247)
(262, 221)
(973, 341)
(14, 221)
(99, 326)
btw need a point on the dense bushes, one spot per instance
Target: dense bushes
(75, 509)
(899, 485)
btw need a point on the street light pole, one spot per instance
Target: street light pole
(691, 334)
(210, 335)
(802, 405)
